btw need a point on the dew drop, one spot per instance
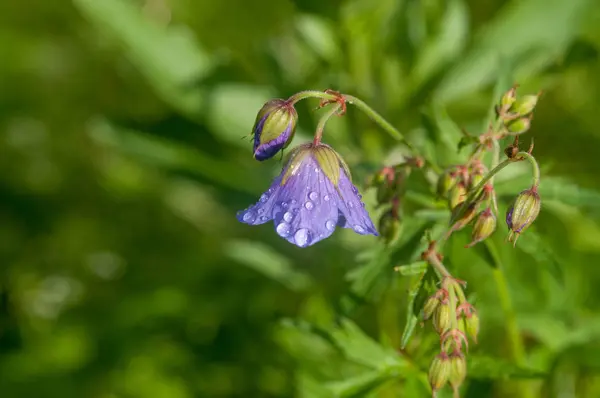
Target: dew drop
(249, 216)
(293, 201)
(264, 197)
(283, 230)
(309, 205)
(358, 229)
(317, 170)
(330, 225)
(296, 210)
(302, 237)
(284, 205)
(313, 196)
(261, 211)
(350, 204)
(263, 218)
(287, 216)
(326, 198)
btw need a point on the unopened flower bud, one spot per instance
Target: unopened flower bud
(274, 128)
(439, 371)
(472, 325)
(524, 105)
(431, 304)
(389, 226)
(457, 195)
(508, 99)
(458, 369)
(484, 226)
(441, 318)
(445, 182)
(523, 212)
(518, 126)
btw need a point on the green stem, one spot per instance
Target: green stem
(311, 94)
(515, 342)
(323, 121)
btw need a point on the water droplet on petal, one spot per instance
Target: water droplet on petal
(309, 205)
(264, 197)
(330, 225)
(293, 201)
(358, 229)
(354, 189)
(326, 198)
(296, 210)
(350, 204)
(313, 196)
(283, 230)
(317, 170)
(263, 218)
(261, 211)
(249, 216)
(287, 216)
(284, 204)
(302, 237)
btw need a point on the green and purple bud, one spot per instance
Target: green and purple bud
(274, 128)
(484, 226)
(446, 181)
(523, 212)
(457, 195)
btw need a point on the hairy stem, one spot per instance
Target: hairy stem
(323, 121)
(311, 94)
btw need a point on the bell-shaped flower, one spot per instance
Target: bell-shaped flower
(312, 196)
(274, 128)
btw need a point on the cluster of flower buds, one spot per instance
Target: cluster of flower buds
(390, 185)
(516, 113)
(454, 320)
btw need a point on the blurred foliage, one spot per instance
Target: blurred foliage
(124, 272)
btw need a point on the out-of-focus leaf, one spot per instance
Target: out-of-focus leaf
(415, 268)
(445, 46)
(487, 367)
(366, 280)
(170, 155)
(533, 244)
(443, 131)
(267, 261)
(169, 57)
(359, 386)
(519, 29)
(319, 36)
(488, 251)
(560, 189)
(583, 231)
(308, 387)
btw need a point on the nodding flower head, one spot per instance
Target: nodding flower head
(274, 128)
(312, 196)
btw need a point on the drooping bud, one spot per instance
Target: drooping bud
(430, 306)
(524, 105)
(472, 325)
(441, 318)
(523, 212)
(274, 128)
(519, 126)
(439, 371)
(389, 226)
(445, 182)
(484, 226)
(463, 216)
(457, 195)
(508, 99)
(458, 369)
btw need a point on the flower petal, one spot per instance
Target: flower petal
(352, 209)
(306, 211)
(262, 211)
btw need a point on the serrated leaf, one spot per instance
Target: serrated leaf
(360, 348)
(415, 268)
(488, 367)
(417, 295)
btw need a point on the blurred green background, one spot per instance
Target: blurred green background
(124, 160)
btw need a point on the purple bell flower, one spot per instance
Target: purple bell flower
(310, 198)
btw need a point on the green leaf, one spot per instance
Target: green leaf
(567, 192)
(442, 130)
(418, 293)
(488, 251)
(360, 348)
(268, 262)
(170, 58)
(534, 244)
(415, 268)
(488, 367)
(358, 386)
(518, 31)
